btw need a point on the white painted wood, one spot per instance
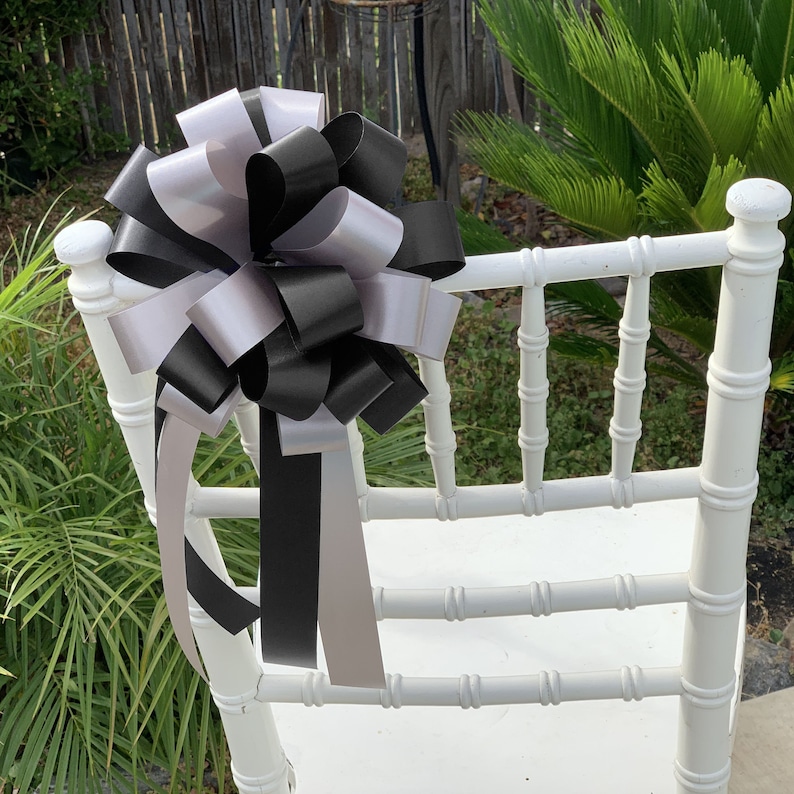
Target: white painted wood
(533, 392)
(604, 589)
(539, 266)
(440, 440)
(458, 603)
(473, 501)
(634, 330)
(231, 664)
(548, 687)
(738, 378)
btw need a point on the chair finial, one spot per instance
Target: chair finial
(758, 201)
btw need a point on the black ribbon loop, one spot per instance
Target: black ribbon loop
(406, 388)
(357, 380)
(253, 107)
(284, 181)
(195, 369)
(277, 376)
(431, 243)
(371, 160)
(320, 303)
(140, 248)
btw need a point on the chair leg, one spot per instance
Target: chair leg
(259, 765)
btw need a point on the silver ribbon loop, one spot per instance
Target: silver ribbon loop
(193, 186)
(222, 118)
(395, 305)
(147, 331)
(287, 109)
(343, 229)
(174, 402)
(321, 432)
(442, 311)
(238, 313)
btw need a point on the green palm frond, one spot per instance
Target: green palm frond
(583, 347)
(497, 143)
(696, 28)
(705, 90)
(398, 457)
(513, 153)
(585, 301)
(782, 377)
(611, 61)
(720, 103)
(579, 114)
(600, 206)
(666, 207)
(697, 330)
(772, 154)
(737, 23)
(773, 54)
(479, 237)
(30, 279)
(80, 570)
(651, 25)
(710, 213)
(687, 293)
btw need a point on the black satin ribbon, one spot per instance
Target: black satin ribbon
(289, 561)
(313, 358)
(147, 245)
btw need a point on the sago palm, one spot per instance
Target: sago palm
(652, 109)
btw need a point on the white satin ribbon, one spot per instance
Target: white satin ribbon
(238, 313)
(148, 330)
(286, 109)
(343, 229)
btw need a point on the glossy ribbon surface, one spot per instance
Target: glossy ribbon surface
(284, 279)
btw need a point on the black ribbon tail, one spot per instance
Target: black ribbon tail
(223, 604)
(289, 539)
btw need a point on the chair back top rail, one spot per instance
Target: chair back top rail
(633, 257)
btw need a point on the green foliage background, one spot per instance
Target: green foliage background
(650, 110)
(40, 118)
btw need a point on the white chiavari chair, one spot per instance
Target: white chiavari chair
(616, 600)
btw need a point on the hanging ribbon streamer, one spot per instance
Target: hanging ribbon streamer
(283, 279)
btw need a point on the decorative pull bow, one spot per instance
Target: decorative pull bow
(284, 279)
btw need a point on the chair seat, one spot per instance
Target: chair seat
(431, 749)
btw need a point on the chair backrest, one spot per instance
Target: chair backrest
(750, 253)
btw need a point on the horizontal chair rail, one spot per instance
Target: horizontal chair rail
(478, 501)
(633, 257)
(535, 598)
(547, 687)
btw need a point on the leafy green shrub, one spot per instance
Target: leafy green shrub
(40, 117)
(654, 110)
